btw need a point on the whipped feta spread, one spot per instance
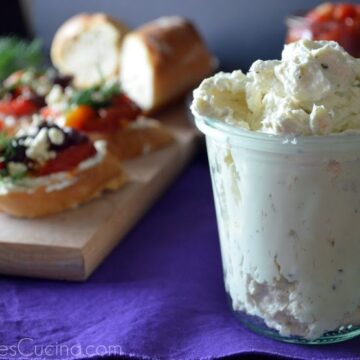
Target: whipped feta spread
(313, 90)
(288, 214)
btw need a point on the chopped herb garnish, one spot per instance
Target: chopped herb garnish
(6, 146)
(324, 66)
(7, 153)
(96, 96)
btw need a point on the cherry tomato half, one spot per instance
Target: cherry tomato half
(18, 107)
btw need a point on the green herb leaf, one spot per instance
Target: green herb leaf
(16, 54)
(7, 152)
(6, 148)
(96, 96)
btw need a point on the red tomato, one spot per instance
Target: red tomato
(48, 112)
(105, 121)
(321, 13)
(80, 117)
(68, 159)
(339, 22)
(343, 11)
(358, 11)
(334, 35)
(129, 110)
(17, 107)
(111, 118)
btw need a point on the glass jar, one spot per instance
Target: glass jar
(346, 33)
(288, 213)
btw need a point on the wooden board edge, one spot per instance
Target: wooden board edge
(73, 268)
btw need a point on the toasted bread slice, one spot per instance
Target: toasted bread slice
(145, 136)
(66, 193)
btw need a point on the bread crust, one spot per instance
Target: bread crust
(72, 28)
(132, 142)
(90, 183)
(177, 54)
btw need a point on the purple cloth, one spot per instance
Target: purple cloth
(160, 294)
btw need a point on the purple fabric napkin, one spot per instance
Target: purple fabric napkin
(160, 294)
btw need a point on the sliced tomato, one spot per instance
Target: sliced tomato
(344, 11)
(129, 110)
(111, 118)
(18, 107)
(80, 116)
(106, 121)
(67, 159)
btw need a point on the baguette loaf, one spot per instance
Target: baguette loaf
(162, 60)
(87, 46)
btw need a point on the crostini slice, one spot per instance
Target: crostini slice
(46, 169)
(104, 112)
(23, 93)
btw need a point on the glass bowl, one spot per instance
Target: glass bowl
(346, 33)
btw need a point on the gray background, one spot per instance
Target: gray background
(237, 31)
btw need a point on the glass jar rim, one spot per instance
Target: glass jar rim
(284, 142)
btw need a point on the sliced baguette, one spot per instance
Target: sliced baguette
(143, 138)
(162, 60)
(88, 184)
(87, 46)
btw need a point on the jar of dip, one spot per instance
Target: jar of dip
(288, 213)
(283, 144)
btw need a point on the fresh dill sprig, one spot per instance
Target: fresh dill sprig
(16, 54)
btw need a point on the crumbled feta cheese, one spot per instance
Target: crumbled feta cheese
(69, 91)
(27, 77)
(36, 119)
(38, 147)
(55, 95)
(61, 121)
(56, 136)
(58, 99)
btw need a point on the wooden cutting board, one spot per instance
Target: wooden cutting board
(71, 245)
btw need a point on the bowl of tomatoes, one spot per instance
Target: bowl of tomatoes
(339, 22)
